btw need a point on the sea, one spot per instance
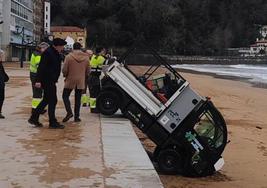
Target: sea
(253, 73)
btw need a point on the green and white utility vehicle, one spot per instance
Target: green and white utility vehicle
(188, 130)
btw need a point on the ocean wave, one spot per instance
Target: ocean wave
(255, 73)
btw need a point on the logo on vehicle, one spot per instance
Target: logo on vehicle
(174, 115)
(193, 141)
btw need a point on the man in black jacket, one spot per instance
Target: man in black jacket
(47, 76)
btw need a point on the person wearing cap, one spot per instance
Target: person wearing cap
(34, 63)
(47, 76)
(85, 99)
(75, 70)
(96, 64)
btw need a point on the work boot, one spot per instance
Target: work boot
(77, 119)
(67, 117)
(35, 122)
(1, 116)
(56, 125)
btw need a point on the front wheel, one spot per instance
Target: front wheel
(107, 103)
(170, 161)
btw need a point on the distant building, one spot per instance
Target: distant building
(259, 48)
(47, 17)
(18, 24)
(38, 20)
(263, 31)
(23, 19)
(72, 34)
(1, 22)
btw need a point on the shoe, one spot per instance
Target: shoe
(77, 119)
(34, 122)
(68, 116)
(44, 111)
(1, 116)
(56, 126)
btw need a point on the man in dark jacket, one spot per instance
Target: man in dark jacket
(47, 76)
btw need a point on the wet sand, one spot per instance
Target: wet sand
(244, 108)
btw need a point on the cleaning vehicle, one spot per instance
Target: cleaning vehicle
(188, 130)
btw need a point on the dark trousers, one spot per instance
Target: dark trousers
(50, 99)
(94, 89)
(2, 97)
(36, 92)
(66, 100)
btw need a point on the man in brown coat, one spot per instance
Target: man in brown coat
(75, 70)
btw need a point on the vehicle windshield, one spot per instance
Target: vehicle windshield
(212, 130)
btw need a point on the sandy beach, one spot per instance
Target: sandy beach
(245, 110)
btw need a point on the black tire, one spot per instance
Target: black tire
(189, 171)
(170, 161)
(107, 102)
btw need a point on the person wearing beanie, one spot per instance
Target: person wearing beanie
(34, 63)
(47, 76)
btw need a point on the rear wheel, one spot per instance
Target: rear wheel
(107, 102)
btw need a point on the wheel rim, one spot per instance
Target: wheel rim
(170, 161)
(108, 103)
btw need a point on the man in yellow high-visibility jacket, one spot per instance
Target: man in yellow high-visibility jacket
(35, 60)
(96, 64)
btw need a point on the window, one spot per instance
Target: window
(21, 11)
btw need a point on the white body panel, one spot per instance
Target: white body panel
(129, 83)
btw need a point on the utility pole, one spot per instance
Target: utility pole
(22, 33)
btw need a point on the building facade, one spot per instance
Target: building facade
(22, 27)
(1, 21)
(38, 20)
(70, 33)
(17, 29)
(47, 18)
(263, 31)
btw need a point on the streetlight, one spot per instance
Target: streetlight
(22, 33)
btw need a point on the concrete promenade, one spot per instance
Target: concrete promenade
(98, 152)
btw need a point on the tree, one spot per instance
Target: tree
(177, 26)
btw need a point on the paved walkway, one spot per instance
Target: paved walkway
(98, 152)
